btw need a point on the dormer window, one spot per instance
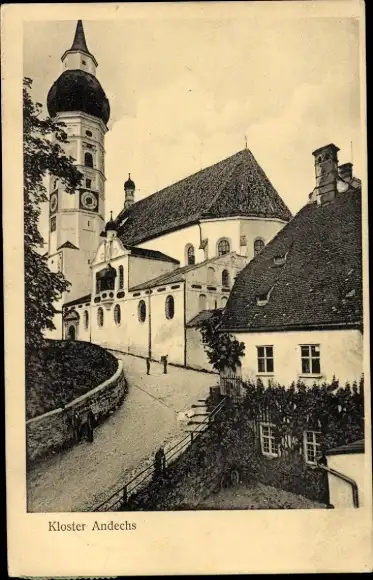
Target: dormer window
(262, 297)
(280, 259)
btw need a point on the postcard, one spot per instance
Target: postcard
(186, 288)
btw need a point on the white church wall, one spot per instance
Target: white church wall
(174, 243)
(77, 271)
(195, 352)
(167, 335)
(218, 229)
(143, 269)
(340, 355)
(258, 228)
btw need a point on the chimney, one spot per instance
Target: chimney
(326, 172)
(129, 192)
(345, 171)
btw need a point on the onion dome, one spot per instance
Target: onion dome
(78, 90)
(129, 184)
(111, 226)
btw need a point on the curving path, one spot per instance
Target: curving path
(86, 474)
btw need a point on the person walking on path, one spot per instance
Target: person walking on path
(165, 365)
(148, 366)
(159, 464)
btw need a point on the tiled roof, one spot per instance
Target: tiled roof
(177, 275)
(320, 283)
(152, 254)
(236, 186)
(355, 447)
(201, 317)
(81, 300)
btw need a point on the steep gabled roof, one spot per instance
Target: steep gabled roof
(236, 186)
(151, 254)
(201, 317)
(81, 300)
(320, 281)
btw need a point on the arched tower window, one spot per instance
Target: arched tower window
(258, 246)
(170, 307)
(121, 277)
(100, 317)
(223, 247)
(88, 159)
(225, 279)
(202, 302)
(141, 311)
(190, 255)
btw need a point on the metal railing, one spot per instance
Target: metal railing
(121, 496)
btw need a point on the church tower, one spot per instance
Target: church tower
(77, 220)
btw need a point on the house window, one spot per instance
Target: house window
(88, 183)
(267, 440)
(310, 354)
(170, 307)
(258, 246)
(312, 446)
(210, 275)
(202, 302)
(265, 359)
(141, 311)
(53, 224)
(117, 314)
(190, 256)
(100, 317)
(88, 159)
(86, 319)
(223, 247)
(121, 277)
(225, 279)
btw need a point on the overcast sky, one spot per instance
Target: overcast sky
(184, 93)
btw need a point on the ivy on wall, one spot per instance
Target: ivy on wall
(336, 411)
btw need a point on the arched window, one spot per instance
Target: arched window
(202, 302)
(258, 246)
(210, 275)
(170, 307)
(86, 319)
(225, 279)
(190, 255)
(100, 317)
(121, 277)
(223, 247)
(141, 311)
(117, 314)
(224, 300)
(88, 159)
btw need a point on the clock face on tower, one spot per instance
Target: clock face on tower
(89, 200)
(53, 202)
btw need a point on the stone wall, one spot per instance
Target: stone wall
(52, 432)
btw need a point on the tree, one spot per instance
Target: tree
(223, 351)
(41, 157)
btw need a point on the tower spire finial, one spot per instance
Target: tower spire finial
(79, 42)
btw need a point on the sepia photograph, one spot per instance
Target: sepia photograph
(194, 264)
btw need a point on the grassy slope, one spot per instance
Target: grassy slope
(60, 371)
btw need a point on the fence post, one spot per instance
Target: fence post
(125, 495)
(191, 438)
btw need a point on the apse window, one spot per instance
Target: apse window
(265, 359)
(117, 314)
(223, 247)
(258, 246)
(170, 307)
(191, 259)
(86, 319)
(310, 357)
(100, 317)
(141, 311)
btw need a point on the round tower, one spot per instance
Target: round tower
(76, 221)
